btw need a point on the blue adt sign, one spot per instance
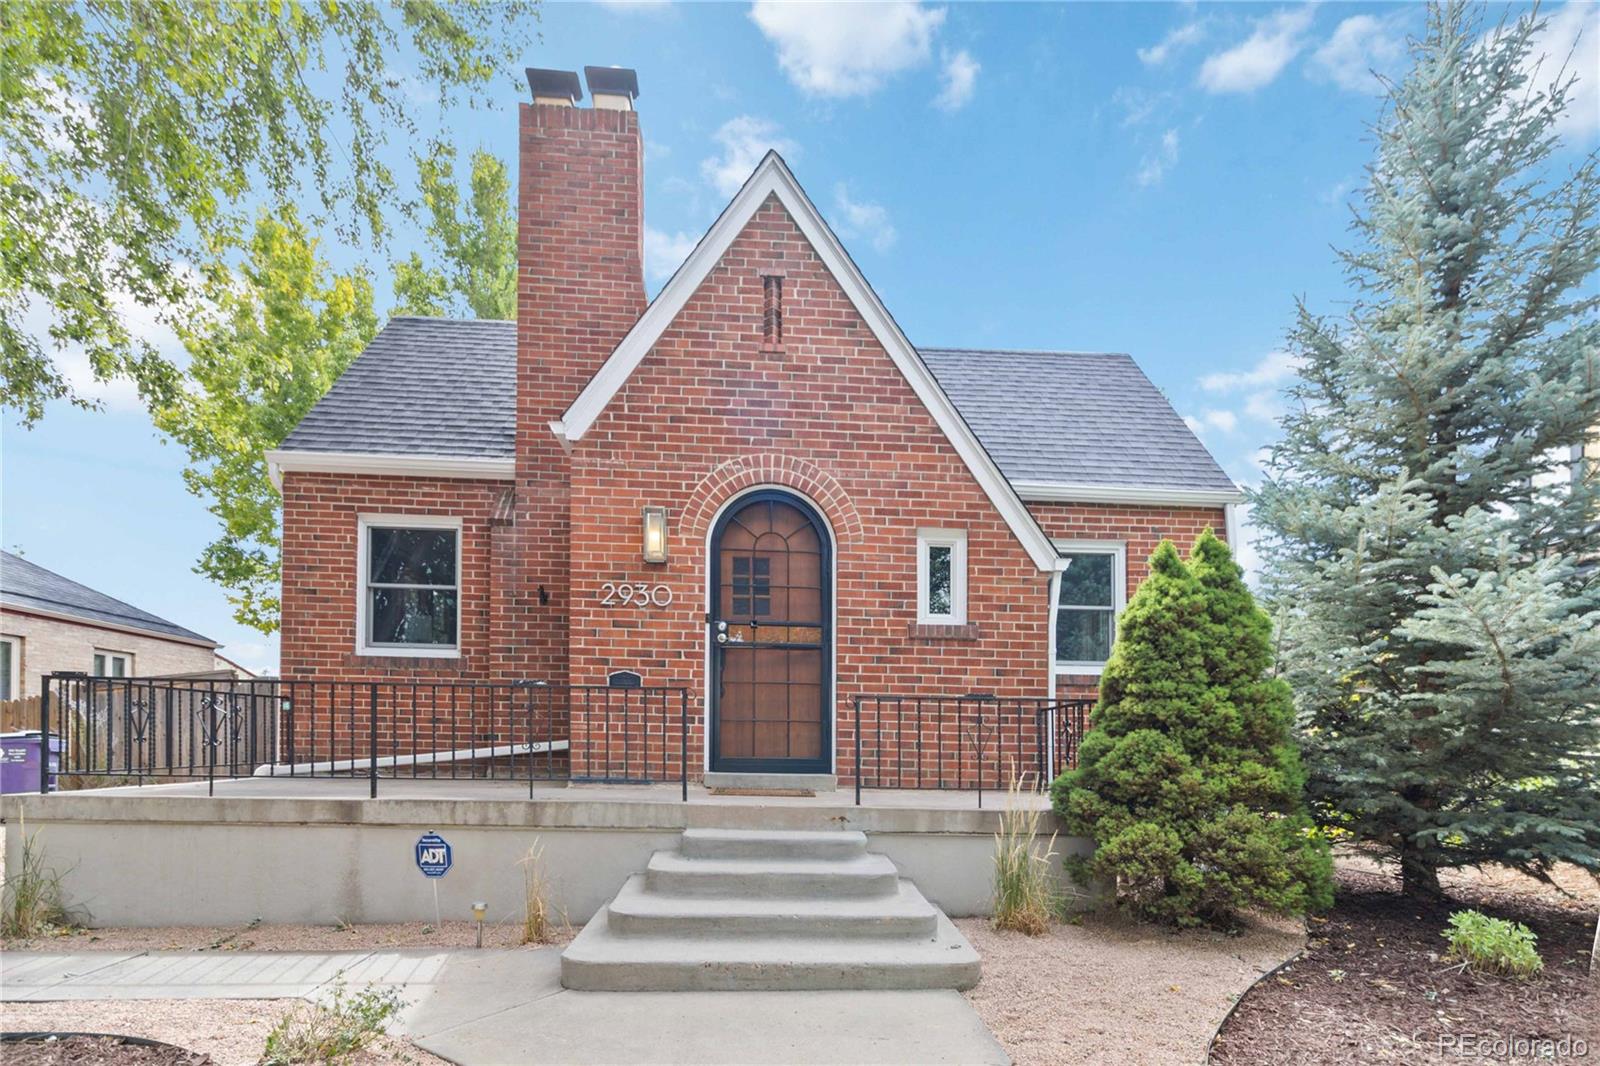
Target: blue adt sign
(433, 855)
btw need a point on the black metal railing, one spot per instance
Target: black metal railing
(137, 729)
(966, 743)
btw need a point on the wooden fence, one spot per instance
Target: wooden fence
(18, 715)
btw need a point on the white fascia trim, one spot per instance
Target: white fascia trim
(1060, 492)
(387, 464)
(772, 177)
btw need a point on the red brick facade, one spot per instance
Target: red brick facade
(710, 412)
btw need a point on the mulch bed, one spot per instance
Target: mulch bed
(1372, 986)
(97, 1051)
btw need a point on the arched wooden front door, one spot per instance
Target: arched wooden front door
(771, 637)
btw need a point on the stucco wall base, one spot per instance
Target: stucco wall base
(137, 861)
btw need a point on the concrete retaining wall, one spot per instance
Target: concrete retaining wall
(153, 861)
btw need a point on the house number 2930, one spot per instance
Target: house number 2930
(623, 593)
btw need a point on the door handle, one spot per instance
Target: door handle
(722, 638)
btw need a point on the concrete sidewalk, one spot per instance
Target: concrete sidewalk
(494, 1007)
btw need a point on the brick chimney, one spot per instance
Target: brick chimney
(580, 234)
(580, 286)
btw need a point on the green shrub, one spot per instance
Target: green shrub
(1024, 889)
(1493, 945)
(330, 1032)
(1187, 780)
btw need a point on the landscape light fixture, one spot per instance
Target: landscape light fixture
(655, 534)
(479, 910)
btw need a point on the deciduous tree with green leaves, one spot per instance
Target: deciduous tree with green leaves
(139, 137)
(265, 344)
(475, 243)
(1187, 780)
(1430, 531)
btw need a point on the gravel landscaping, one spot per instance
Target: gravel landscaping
(231, 1031)
(314, 938)
(1110, 990)
(1373, 987)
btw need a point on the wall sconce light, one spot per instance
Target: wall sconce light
(655, 534)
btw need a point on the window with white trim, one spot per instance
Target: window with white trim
(112, 664)
(10, 668)
(1090, 592)
(942, 576)
(410, 590)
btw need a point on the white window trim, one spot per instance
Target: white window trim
(14, 681)
(956, 541)
(1118, 550)
(125, 656)
(402, 521)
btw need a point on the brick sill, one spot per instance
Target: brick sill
(437, 663)
(923, 631)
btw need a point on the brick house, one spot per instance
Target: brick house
(753, 486)
(50, 623)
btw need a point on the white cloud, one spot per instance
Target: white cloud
(1261, 57)
(1139, 106)
(863, 219)
(665, 252)
(744, 141)
(1265, 406)
(1220, 420)
(1570, 44)
(1155, 164)
(958, 80)
(847, 49)
(1178, 38)
(1360, 45)
(1274, 368)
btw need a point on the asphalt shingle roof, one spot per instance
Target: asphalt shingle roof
(428, 386)
(1075, 418)
(24, 584)
(424, 386)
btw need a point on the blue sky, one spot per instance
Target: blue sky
(1158, 179)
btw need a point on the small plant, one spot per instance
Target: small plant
(537, 924)
(1493, 945)
(32, 898)
(331, 1031)
(1024, 889)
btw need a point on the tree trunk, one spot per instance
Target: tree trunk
(1419, 878)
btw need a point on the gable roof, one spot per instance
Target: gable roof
(772, 178)
(1060, 425)
(446, 386)
(28, 586)
(1075, 421)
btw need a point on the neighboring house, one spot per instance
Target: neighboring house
(49, 623)
(753, 485)
(223, 663)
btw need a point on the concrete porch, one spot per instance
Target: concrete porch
(319, 850)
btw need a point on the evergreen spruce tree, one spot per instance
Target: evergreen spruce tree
(1430, 531)
(1187, 781)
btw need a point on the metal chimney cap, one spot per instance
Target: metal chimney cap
(613, 81)
(557, 84)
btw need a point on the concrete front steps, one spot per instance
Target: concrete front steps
(741, 910)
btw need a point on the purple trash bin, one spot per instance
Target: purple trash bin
(19, 761)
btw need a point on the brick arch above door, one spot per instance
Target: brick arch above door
(772, 469)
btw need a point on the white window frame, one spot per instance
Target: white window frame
(956, 541)
(364, 524)
(1118, 550)
(13, 679)
(125, 656)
